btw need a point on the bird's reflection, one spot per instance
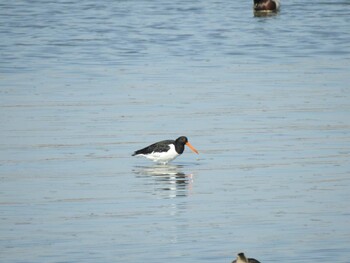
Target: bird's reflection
(170, 179)
(265, 14)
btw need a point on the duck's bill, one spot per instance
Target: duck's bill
(192, 148)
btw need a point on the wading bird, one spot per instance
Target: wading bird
(266, 5)
(165, 151)
(242, 259)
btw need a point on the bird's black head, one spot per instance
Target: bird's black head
(182, 140)
(180, 145)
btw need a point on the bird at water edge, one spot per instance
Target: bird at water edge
(266, 5)
(165, 151)
(241, 258)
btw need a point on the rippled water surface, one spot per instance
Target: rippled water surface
(265, 100)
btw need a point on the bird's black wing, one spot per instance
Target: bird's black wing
(162, 146)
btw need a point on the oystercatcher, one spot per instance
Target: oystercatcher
(242, 259)
(165, 151)
(266, 5)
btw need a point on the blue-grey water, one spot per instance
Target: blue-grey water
(265, 100)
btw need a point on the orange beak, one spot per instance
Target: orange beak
(192, 148)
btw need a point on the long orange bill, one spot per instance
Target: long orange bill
(192, 148)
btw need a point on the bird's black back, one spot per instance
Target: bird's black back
(162, 146)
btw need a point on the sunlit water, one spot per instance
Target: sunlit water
(265, 100)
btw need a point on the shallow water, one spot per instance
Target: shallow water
(265, 100)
